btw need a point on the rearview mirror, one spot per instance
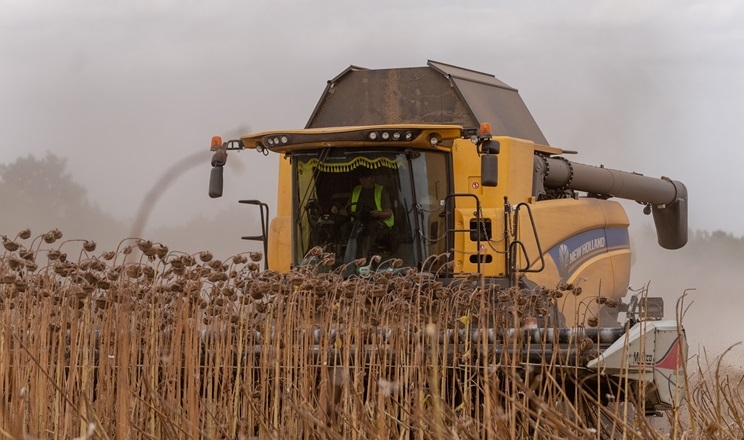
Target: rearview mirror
(489, 170)
(215, 182)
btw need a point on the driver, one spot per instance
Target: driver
(371, 197)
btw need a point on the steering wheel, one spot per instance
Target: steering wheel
(363, 211)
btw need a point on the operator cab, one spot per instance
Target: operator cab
(415, 184)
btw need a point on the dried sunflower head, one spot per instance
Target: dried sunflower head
(134, 271)
(256, 256)
(205, 256)
(257, 290)
(24, 234)
(215, 264)
(11, 246)
(14, 263)
(144, 245)
(586, 344)
(176, 262)
(217, 276)
(89, 246)
(64, 269)
(161, 251)
(148, 271)
(239, 259)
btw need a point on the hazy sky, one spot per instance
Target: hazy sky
(124, 89)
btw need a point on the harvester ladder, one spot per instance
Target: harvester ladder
(515, 245)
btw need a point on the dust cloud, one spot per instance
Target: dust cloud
(708, 269)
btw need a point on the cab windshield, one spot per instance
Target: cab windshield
(372, 204)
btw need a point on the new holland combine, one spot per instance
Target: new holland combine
(475, 195)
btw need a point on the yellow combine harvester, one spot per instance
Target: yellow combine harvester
(472, 188)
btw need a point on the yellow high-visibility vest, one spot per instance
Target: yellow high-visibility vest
(389, 222)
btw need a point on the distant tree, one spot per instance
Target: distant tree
(42, 182)
(40, 194)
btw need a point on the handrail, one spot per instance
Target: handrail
(264, 237)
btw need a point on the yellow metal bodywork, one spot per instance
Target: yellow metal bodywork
(604, 272)
(312, 138)
(556, 221)
(601, 270)
(280, 230)
(515, 182)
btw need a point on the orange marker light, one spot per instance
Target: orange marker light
(216, 142)
(485, 129)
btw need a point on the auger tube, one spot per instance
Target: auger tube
(668, 198)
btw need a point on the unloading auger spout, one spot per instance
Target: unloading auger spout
(666, 198)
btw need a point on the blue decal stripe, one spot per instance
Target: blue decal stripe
(572, 252)
(617, 237)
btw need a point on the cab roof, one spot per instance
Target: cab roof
(436, 94)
